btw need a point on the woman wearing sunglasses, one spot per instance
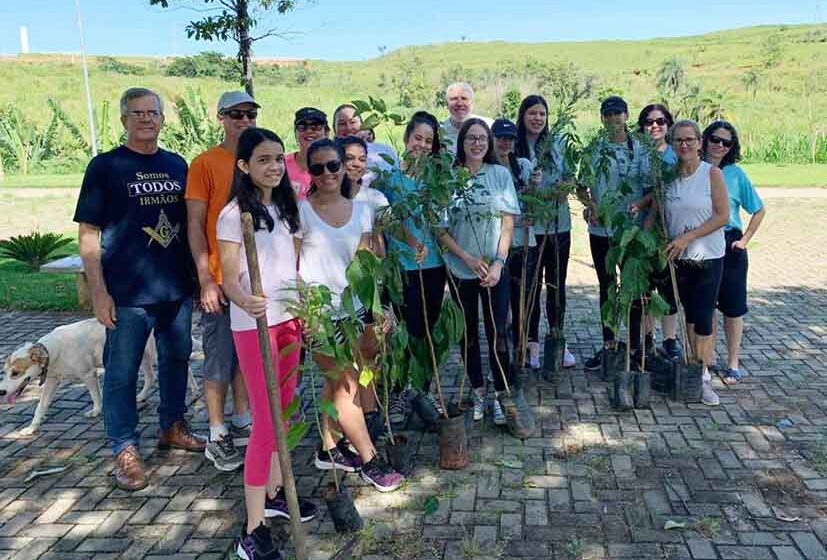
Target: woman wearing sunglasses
(309, 125)
(722, 149)
(333, 228)
(696, 209)
(655, 120)
(477, 237)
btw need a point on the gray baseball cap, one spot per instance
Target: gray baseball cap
(232, 98)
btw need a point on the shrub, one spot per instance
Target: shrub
(34, 249)
(208, 64)
(110, 64)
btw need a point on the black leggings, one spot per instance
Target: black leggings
(548, 261)
(515, 266)
(469, 293)
(599, 248)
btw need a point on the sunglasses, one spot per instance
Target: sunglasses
(660, 121)
(310, 127)
(722, 141)
(332, 166)
(238, 114)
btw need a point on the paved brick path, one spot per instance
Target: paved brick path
(596, 484)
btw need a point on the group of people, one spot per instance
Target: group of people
(153, 232)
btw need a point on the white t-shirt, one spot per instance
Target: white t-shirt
(372, 198)
(326, 251)
(276, 261)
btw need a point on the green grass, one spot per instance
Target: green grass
(42, 181)
(800, 175)
(21, 289)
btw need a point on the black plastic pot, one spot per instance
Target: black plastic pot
(662, 373)
(426, 411)
(614, 361)
(519, 417)
(621, 390)
(553, 347)
(399, 453)
(688, 382)
(453, 443)
(342, 509)
(642, 382)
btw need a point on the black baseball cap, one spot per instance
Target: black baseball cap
(613, 104)
(307, 115)
(503, 127)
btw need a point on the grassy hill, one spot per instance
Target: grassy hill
(782, 119)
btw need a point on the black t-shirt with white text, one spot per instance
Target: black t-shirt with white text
(137, 200)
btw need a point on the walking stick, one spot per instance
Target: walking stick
(273, 391)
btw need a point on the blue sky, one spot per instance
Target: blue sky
(352, 30)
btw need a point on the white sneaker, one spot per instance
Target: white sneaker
(708, 396)
(534, 355)
(479, 403)
(568, 359)
(499, 415)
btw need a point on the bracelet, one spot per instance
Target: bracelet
(498, 259)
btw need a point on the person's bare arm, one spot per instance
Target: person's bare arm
(211, 296)
(754, 223)
(90, 253)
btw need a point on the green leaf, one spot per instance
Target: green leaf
(366, 376)
(328, 408)
(431, 505)
(296, 433)
(628, 235)
(658, 307)
(291, 408)
(371, 122)
(361, 106)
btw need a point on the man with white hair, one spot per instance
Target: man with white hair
(460, 99)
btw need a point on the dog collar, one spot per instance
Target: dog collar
(44, 367)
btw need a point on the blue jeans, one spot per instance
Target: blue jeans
(122, 354)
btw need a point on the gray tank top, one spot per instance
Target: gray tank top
(688, 206)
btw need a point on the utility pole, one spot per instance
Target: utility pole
(93, 141)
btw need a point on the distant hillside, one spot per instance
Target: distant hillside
(770, 80)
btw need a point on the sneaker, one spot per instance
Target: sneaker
(708, 396)
(223, 454)
(595, 362)
(349, 453)
(241, 436)
(568, 359)
(499, 415)
(334, 459)
(399, 407)
(435, 403)
(381, 475)
(730, 376)
(257, 546)
(277, 507)
(533, 355)
(672, 349)
(479, 404)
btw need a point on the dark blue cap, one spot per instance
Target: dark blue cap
(503, 127)
(613, 104)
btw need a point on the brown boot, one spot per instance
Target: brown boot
(130, 472)
(179, 436)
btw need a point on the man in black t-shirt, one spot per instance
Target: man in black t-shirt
(133, 243)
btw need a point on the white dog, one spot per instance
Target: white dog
(74, 351)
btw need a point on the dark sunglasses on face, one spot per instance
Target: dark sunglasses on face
(238, 114)
(660, 121)
(722, 141)
(332, 166)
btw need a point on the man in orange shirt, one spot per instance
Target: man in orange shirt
(208, 187)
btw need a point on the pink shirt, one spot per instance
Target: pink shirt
(277, 264)
(299, 178)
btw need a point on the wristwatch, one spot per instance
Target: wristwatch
(498, 259)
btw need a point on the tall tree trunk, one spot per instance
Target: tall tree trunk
(245, 44)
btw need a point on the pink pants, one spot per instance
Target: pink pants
(263, 439)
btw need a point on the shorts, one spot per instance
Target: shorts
(220, 359)
(732, 296)
(698, 283)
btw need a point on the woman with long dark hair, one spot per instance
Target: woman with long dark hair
(697, 209)
(553, 237)
(722, 148)
(262, 188)
(477, 237)
(333, 228)
(418, 253)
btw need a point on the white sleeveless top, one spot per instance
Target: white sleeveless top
(688, 206)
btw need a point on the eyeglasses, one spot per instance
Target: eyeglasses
(151, 114)
(238, 114)
(333, 166)
(685, 141)
(722, 141)
(309, 127)
(660, 121)
(481, 139)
